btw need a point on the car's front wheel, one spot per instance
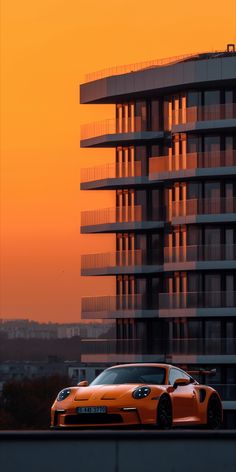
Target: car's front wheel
(164, 413)
(214, 413)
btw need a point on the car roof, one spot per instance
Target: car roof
(142, 364)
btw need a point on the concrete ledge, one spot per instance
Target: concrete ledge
(118, 451)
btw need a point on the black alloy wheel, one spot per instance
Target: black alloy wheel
(164, 413)
(214, 413)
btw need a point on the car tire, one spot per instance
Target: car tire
(214, 413)
(164, 413)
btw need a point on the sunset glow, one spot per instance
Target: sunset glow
(47, 48)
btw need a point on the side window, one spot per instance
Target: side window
(176, 374)
(173, 375)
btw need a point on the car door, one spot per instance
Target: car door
(183, 397)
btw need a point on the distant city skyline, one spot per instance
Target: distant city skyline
(28, 330)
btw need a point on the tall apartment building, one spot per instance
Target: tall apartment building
(174, 137)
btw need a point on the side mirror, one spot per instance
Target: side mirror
(181, 382)
(84, 383)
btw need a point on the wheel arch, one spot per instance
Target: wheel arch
(214, 394)
(165, 395)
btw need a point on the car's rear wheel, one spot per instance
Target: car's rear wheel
(164, 413)
(214, 413)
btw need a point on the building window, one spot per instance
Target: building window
(193, 99)
(141, 115)
(211, 97)
(155, 115)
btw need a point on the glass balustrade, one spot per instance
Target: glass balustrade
(111, 126)
(220, 252)
(124, 69)
(188, 300)
(225, 111)
(197, 160)
(120, 215)
(203, 206)
(120, 259)
(111, 215)
(190, 346)
(111, 171)
(112, 304)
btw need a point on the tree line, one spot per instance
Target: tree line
(26, 404)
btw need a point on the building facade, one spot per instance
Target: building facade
(174, 138)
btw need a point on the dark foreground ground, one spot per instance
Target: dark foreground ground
(118, 451)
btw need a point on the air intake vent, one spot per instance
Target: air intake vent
(202, 395)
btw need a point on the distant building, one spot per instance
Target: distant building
(27, 329)
(13, 370)
(76, 371)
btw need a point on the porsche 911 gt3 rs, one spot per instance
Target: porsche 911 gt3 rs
(157, 395)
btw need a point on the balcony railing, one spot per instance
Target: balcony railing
(163, 301)
(225, 111)
(214, 252)
(190, 346)
(112, 304)
(111, 171)
(204, 206)
(196, 160)
(125, 69)
(120, 215)
(120, 259)
(188, 300)
(201, 346)
(112, 126)
(111, 215)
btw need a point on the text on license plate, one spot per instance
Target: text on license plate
(92, 409)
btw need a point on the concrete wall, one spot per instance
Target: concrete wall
(118, 451)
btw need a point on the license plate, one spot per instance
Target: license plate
(92, 409)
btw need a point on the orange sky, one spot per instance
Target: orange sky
(47, 47)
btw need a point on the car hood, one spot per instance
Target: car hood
(105, 392)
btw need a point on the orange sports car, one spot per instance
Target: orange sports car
(157, 395)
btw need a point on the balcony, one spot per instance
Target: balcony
(220, 303)
(204, 117)
(121, 262)
(112, 176)
(203, 210)
(200, 257)
(201, 346)
(198, 164)
(120, 219)
(116, 349)
(115, 132)
(119, 350)
(119, 306)
(190, 346)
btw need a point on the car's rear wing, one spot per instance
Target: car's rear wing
(210, 372)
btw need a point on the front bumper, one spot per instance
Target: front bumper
(115, 416)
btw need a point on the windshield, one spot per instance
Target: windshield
(133, 375)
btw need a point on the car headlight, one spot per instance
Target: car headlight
(63, 394)
(141, 392)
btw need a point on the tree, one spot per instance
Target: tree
(26, 404)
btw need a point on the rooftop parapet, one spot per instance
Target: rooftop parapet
(134, 67)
